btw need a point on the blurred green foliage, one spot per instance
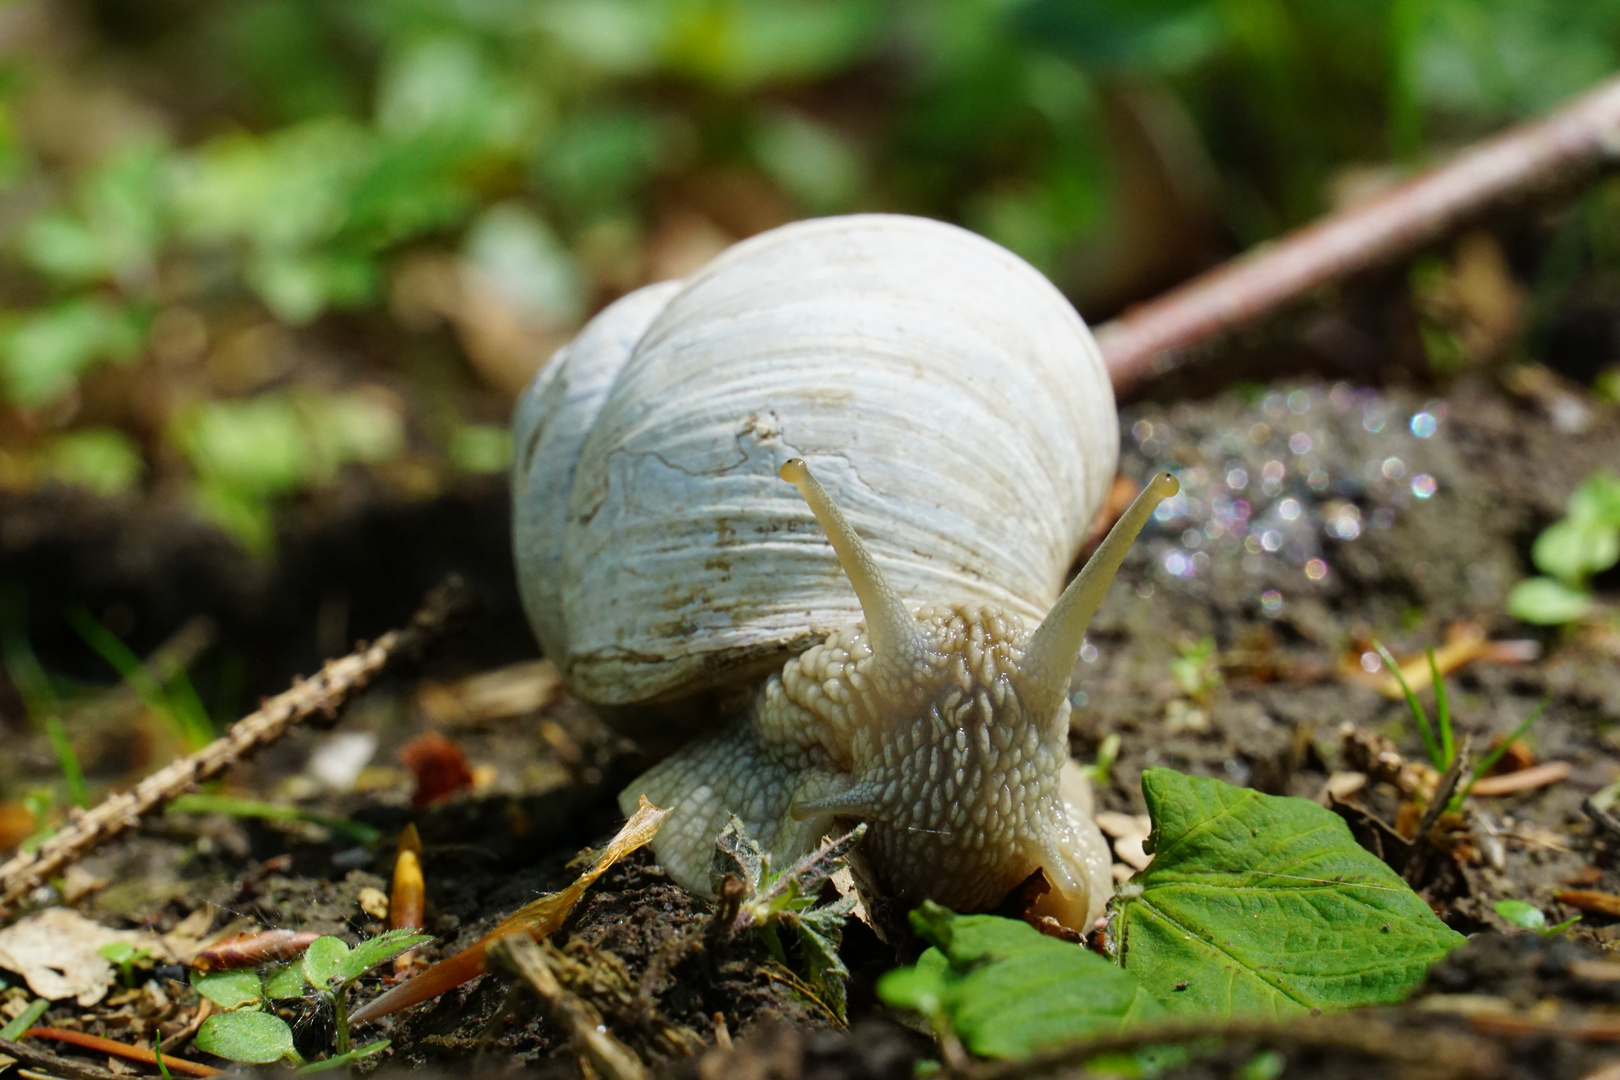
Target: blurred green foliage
(285, 160)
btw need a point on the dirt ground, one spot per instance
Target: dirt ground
(1314, 519)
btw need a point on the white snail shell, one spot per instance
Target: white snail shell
(946, 393)
(949, 397)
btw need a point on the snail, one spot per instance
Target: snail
(916, 676)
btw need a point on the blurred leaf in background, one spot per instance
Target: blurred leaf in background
(234, 236)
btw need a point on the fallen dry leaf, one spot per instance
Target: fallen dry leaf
(1596, 903)
(56, 952)
(538, 919)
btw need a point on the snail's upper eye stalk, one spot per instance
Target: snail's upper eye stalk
(890, 629)
(1055, 646)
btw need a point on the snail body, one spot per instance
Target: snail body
(959, 411)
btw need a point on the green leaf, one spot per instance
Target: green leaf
(285, 981)
(102, 460)
(1520, 913)
(1261, 905)
(738, 854)
(44, 353)
(1546, 602)
(229, 989)
(922, 988)
(1008, 990)
(326, 961)
(380, 949)
(253, 1038)
(338, 1061)
(1575, 548)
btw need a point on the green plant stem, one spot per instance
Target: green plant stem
(1442, 708)
(340, 1017)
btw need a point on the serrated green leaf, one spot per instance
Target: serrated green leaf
(326, 961)
(920, 988)
(1008, 990)
(821, 930)
(380, 949)
(1546, 602)
(1261, 905)
(253, 1038)
(285, 981)
(229, 989)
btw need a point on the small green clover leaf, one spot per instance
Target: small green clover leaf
(326, 962)
(229, 989)
(1261, 905)
(253, 1038)
(285, 981)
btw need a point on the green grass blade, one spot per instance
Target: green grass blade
(233, 806)
(17, 1027)
(183, 713)
(67, 759)
(1442, 708)
(1430, 744)
(1489, 761)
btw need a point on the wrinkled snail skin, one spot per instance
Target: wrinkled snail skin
(959, 411)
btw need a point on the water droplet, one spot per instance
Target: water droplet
(1088, 652)
(1271, 540)
(1370, 661)
(1299, 443)
(1288, 509)
(1299, 402)
(1424, 424)
(1177, 564)
(1393, 468)
(1423, 485)
(1142, 431)
(1271, 603)
(1316, 569)
(1237, 479)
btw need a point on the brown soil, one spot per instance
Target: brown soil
(1355, 523)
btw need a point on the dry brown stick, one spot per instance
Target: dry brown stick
(1163, 334)
(56, 1064)
(611, 1058)
(325, 693)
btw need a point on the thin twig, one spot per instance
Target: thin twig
(1164, 334)
(325, 693)
(611, 1058)
(56, 1064)
(129, 1052)
(1417, 860)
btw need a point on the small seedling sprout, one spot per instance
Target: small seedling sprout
(1439, 738)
